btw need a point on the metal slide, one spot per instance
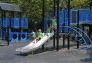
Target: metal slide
(34, 44)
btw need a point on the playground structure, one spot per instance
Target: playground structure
(71, 23)
(75, 24)
(13, 26)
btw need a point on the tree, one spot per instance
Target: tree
(79, 3)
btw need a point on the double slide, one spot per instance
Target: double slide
(33, 45)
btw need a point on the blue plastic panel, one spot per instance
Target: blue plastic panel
(63, 20)
(6, 22)
(74, 16)
(24, 22)
(13, 37)
(16, 23)
(85, 16)
(23, 36)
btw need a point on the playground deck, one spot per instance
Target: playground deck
(8, 55)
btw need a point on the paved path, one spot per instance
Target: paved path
(8, 55)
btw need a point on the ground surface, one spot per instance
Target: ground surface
(8, 55)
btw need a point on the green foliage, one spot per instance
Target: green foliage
(80, 3)
(33, 8)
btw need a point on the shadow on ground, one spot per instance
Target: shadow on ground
(40, 50)
(89, 58)
(86, 60)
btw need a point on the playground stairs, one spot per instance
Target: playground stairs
(81, 37)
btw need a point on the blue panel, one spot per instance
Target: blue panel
(89, 17)
(24, 22)
(65, 21)
(73, 16)
(61, 20)
(12, 21)
(16, 23)
(6, 22)
(24, 37)
(85, 16)
(14, 37)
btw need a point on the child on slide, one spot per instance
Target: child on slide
(39, 35)
(33, 35)
(53, 24)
